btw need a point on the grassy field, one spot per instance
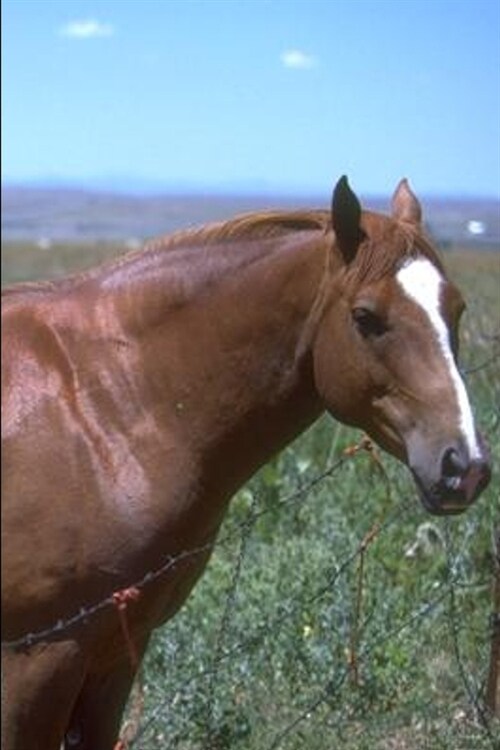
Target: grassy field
(334, 613)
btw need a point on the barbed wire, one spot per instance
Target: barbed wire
(445, 596)
(331, 687)
(274, 623)
(87, 612)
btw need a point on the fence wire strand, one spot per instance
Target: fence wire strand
(444, 600)
(365, 641)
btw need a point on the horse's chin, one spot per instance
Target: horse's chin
(442, 505)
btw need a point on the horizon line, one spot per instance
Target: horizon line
(145, 186)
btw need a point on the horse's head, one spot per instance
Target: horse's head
(385, 351)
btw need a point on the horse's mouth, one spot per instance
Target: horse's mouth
(453, 495)
(438, 503)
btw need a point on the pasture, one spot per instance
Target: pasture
(335, 613)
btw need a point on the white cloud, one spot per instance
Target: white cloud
(86, 29)
(298, 60)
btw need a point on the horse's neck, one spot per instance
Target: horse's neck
(229, 371)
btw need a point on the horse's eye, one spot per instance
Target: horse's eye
(368, 323)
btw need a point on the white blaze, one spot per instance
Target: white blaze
(422, 282)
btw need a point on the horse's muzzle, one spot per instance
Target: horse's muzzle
(459, 484)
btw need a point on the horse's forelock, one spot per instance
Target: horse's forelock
(387, 247)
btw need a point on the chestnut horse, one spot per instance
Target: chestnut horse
(139, 396)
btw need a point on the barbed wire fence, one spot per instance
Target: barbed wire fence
(186, 714)
(141, 731)
(201, 726)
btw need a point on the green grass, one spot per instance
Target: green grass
(261, 656)
(22, 261)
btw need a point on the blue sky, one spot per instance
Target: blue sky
(270, 94)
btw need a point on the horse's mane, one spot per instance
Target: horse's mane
(389, 245)
(251, 226)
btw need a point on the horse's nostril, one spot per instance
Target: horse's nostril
(452, 465)
(74, 737)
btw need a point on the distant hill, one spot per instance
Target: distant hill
(45, 214)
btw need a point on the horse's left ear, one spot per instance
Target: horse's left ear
(346, 216)
(405, 205)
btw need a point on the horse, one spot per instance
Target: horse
(140, 395)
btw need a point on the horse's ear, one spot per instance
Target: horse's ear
(405, 205)
(346, 216)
